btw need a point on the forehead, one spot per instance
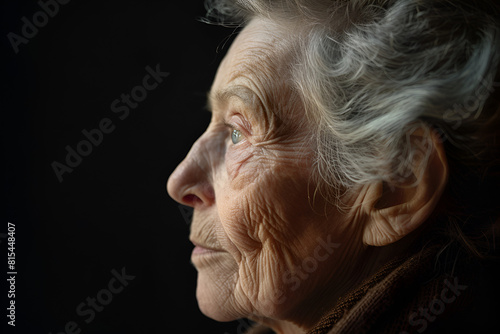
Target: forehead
(255, 48)
(257, 60)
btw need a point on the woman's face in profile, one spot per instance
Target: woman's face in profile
(262, 242)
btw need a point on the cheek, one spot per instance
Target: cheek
(240, 221)
(264, 194)
(264, 207)
(268, 224)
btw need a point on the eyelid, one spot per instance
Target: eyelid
(238, 122)
(229, 125)
(233, 127)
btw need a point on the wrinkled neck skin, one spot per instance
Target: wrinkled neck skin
(309, 313)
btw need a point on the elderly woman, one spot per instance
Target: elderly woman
(348, 180)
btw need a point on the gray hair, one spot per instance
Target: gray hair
(369, 72)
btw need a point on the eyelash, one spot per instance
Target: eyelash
(229, 126)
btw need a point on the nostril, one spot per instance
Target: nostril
(191, 200)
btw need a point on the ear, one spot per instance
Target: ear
(393, 211)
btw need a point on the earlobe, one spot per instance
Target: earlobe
(395, 211)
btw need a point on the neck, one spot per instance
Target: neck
(321, 303)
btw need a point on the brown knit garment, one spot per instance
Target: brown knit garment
(360, 308)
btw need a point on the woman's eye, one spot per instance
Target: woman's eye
(236, 136)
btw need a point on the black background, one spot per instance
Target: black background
(112, 211)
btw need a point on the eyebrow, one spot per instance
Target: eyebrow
(260, 109)
(246, 95)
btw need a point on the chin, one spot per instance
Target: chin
(214, 310)
(215, 293)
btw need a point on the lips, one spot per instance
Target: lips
(204, 255)
(202, 248)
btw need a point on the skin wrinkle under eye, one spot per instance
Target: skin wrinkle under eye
(239, 160)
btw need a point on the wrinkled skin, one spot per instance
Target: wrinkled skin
(268, 248)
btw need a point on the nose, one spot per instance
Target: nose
(191, 182)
